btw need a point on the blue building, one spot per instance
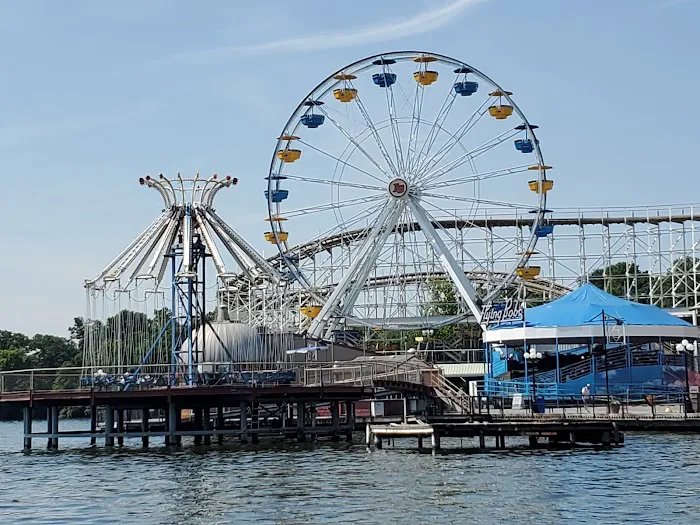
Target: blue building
(583, 337)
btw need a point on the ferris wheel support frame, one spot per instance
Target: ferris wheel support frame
(447, 261)
(353, 280)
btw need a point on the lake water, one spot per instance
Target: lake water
(654, 478)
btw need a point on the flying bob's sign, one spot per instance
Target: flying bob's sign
(496, 313)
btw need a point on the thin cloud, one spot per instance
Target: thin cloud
(422, 22)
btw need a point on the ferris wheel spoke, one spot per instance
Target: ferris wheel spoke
(468, 156)
(470, 223)
(415, 125)
(345, 225)
(434, 130)
(447, 261)
(355, 143)
(395, 133)
(333, 182)
(337, 159)
(332, 206)
(478, 177)
(457, 137)
(477, 200)
(377, 137)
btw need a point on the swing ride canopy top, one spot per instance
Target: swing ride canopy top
(578, 316)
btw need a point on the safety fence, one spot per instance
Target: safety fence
(207, 375)
(630, 405)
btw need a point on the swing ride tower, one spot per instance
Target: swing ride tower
(157, 303)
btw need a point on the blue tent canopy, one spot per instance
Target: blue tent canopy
(584, 307)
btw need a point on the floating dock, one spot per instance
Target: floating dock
(572, 432)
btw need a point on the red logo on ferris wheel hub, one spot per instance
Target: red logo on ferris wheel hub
(398, 188)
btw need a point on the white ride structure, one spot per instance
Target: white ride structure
(154, 303)
(381, 159)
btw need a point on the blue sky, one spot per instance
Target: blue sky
(97, 94)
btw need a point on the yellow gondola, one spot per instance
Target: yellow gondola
(500, 112)
(282, 236)
(345, 94)
(546, 186)
(425, 78)
(289, 155)
(528, 272)
(500, 93)
(311, 311)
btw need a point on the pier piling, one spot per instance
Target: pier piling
(145, 417)
(206, 425)
(172, 424)
(27, 428)
(349, 420)
(220, 423)
(301, 436)
(93, 424)
(198, 425)
(244, 422)
(435, 441)
(255, 423)
(54, 427)
(120, 426)
(335, 420)
(109, 426)
(49, 427)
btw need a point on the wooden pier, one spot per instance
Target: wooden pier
(561, 432)
(246, 412)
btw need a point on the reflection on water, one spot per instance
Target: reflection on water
(652, 479)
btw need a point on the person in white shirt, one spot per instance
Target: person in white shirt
(586, 395)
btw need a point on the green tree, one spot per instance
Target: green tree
(77, 332)
(53, 351)
(15, 359)
(675, 289)
(442, 297)
(11, 340)
(619, 280)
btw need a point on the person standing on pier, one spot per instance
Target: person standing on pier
(586, 395)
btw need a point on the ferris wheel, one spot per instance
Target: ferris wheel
(402, 159)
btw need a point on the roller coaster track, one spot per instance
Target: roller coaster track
(328, 243)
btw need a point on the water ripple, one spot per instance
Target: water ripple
(653, 479)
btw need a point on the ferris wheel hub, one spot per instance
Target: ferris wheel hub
(398, 188)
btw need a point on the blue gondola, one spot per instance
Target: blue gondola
(384, 79)
(543, 230)
(524, 145)
(277, 195)
(312, 121)
(466, 88)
